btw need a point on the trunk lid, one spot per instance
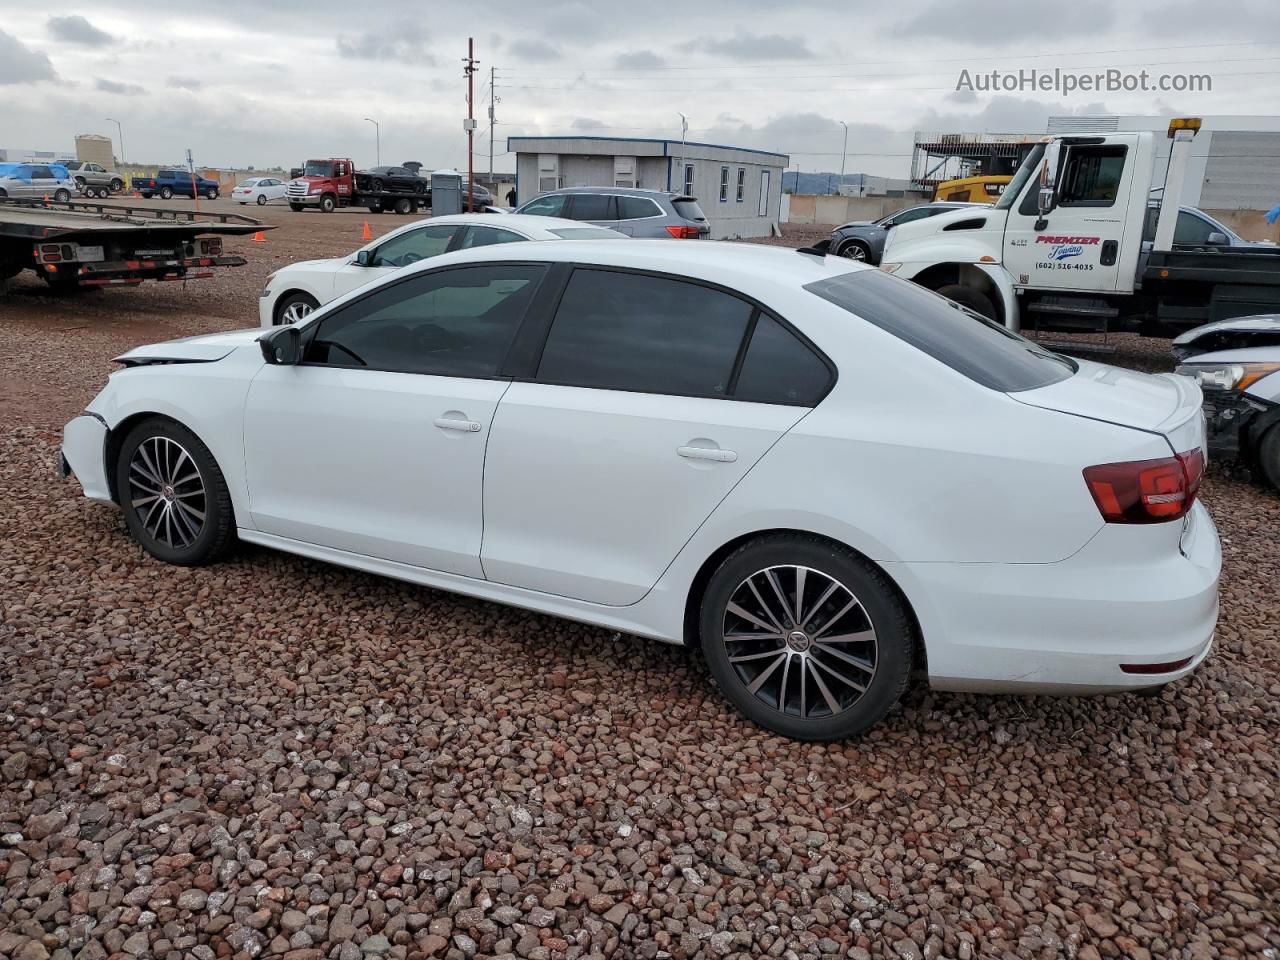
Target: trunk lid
(1163, 403)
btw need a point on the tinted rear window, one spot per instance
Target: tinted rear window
(981, 350)
(689, 209)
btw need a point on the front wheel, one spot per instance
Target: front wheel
(173, 495)
(856, 250)
(116, 186)
(328, 204)
(166, 193)
(805, 637)
(62, 195)
(295, 207)
(1269, 456)
(403, 206)
(975, 300)
(295, 307)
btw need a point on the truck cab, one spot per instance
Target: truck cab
(325, 184)
(1068, 246)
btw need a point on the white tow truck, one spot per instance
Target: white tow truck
(1083, 240)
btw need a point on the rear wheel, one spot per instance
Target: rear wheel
(975, 300)
(295, 307)
(1269, 456)
(805, 637)
(403, 206)
(166, 193)
(173, 495)
(211, 193)
(376, 186)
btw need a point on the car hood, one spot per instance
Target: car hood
(204, 348)
(857, 223)
(1239, 332)
(1160, 403)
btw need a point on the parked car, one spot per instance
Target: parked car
(259, 190)
(1237, 365)
(294, 291)
(635, 212)
(391, 180)
(863, 240)
(815, 474)
(51, 180)
(170, 183)
(89, 175)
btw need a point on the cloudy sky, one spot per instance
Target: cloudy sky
(244, 83)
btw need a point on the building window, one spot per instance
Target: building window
(763, 207)
(742, 184)
(688, 179)
(724, 184)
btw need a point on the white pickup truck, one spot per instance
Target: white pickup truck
(1069, 245)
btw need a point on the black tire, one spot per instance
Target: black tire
(403, 205)
(420, 189)
(1269, 456)
(975, 300)
(166, 193)
(295, 207)
(62, 195)
(802, 710)
(855, 250)
(375, 205)
(328, 204)
(145, 196)
(116, 186)
(4, 193)
(211, 193)
(303, 300)
(212, 534)
(375, 186)
(262, 199)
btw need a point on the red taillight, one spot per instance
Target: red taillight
(50, 253)
(1146, 491)
(683, 233)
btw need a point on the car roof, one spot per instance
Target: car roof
(620, 191)
(754, 269)
(539, 228)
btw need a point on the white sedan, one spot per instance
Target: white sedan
(259, 190)
(822, 477)
(294, 291)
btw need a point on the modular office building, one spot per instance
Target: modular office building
(739, 189)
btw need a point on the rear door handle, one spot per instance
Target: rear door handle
(465, 426)
(707, 453)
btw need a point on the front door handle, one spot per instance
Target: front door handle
(454, 423)
(707, 453)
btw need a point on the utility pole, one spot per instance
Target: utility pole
(844, 150)
(377, 139)
(493, 100)
(470, 125)
(684, 133)
(120, 132)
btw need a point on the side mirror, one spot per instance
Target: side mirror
(1216, 239)
(364, 258)
(282, 346)
(1044, 202)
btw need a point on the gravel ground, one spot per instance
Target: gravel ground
(272, 757)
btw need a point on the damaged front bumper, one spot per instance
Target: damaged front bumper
(83, 455)
(1231, 420)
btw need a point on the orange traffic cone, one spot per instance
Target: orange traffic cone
(259, 238)
(46, 200)
(366, 235)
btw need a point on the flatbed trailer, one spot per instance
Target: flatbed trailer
(77, 244)
(1191, 287)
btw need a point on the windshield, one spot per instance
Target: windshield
(317, 168)
(1025, 172)
(983, 351)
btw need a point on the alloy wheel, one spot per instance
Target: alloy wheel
(854, 251)
(167, 492)
(295, 311)
(800, 642)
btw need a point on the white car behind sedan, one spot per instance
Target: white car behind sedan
(818, 475)
(294, 291)
(259, 190)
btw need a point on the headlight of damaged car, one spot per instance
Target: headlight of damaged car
(1227, 376)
